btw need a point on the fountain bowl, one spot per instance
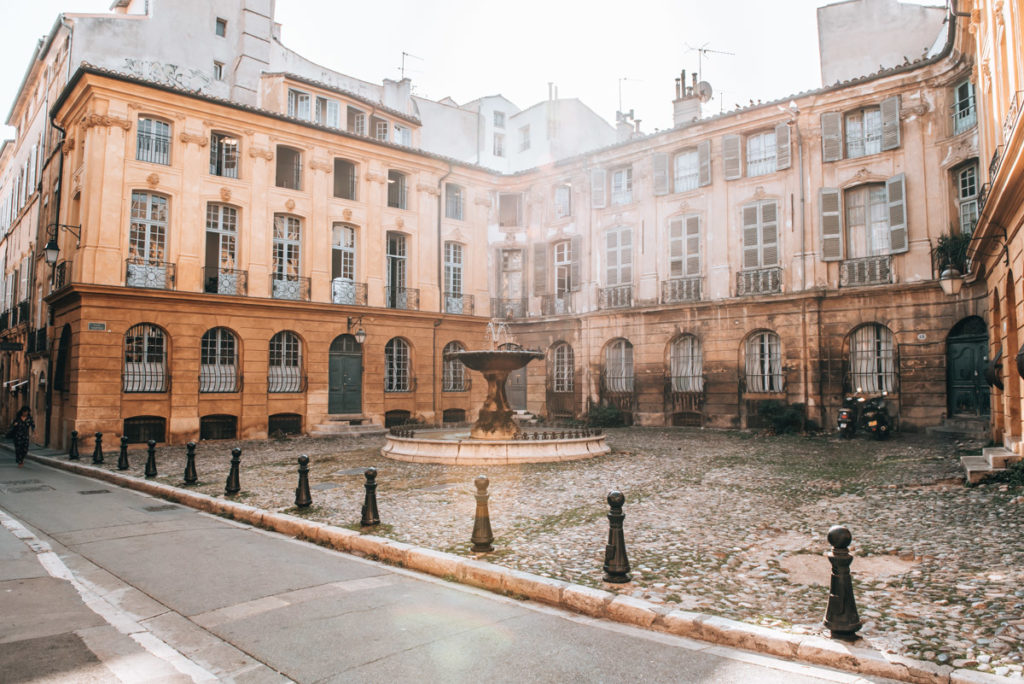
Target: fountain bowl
(456, 447)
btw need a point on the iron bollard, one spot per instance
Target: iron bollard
(73, 448)
(841, 612)
(616, 563)
(190, 464)
(302, 497)
(232, 486)
(370, 514)
(97, 450)
(150, 458)
(122, 456)
(482, 536)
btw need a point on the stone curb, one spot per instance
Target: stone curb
(595, 603)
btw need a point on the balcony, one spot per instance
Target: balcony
(616, 297)
(556, 305)
(681, 290)
(964, 117)
(295, 288)
(61, 276)
(993, 165)
(455, 303)
(405, 298)
(225, 281)
(508, 308)
(1012, 115)
(876, 270)
(156, 275)
(344, 291)
(759, 281)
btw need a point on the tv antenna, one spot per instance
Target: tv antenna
(404, 55)
(701, 52)
(625, 78)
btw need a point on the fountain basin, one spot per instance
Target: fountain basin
(455, 447)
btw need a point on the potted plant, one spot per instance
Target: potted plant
(950, 255)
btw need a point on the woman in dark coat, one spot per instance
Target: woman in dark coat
(22, 426)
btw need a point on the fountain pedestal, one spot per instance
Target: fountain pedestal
(495, 421)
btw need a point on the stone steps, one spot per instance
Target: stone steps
(991, 460)
(335, 427)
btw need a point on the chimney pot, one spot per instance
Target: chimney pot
(694, 80)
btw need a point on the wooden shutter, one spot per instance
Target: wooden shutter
(731, 156)
(575, 254)
(704, 162)
(782, 153)
(661, 174)
(891, 122)
(831, 136)
(692, 245)
(831, 222)
(751, 237)
(540, 269)
(598, 183)
(23, 287)
(769, 234)
(896, 189)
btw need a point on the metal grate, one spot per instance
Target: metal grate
(141, 429)
(617, 297)
(454, 415)
(396, 417)
(218, 427)
(759, 281)
(455, 303)
(226, 281)
(508, 308)
(286, 423)
(681, 290)
(406, 298)
(295, 288)
(876, 270)
(148, 273)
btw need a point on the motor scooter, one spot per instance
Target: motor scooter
(864, 413)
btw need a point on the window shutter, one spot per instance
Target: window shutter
(896, 188)
(540, 269)
(891, 122)
(731, 156)
(751, 238)
(704, 162)
(497, 276)
(831, 221)
(598, 181)
(782, 153)
(575, 253)
(769, 234)
(661, 174)
(831, 136)
(692, 245)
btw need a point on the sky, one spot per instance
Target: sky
(469, 48)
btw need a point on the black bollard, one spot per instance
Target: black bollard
(122, 456)
(841, 612)
(97, 451)
(232, 486)
(151, 458)
(302, 497)
(73, 449)
(482, 536)
(616, 563)
(370, 514)
(190, 464)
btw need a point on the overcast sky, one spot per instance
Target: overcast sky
(468, 48)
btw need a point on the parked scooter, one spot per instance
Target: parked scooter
(863, 413)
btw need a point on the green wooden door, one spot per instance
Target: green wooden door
(966, 358)
(345, 376)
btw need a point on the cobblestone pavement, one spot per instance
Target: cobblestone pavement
(725, 523)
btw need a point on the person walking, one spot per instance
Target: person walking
(20, 429)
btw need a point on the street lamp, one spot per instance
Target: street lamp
(360, 333)
(51, 250)
(951, 281)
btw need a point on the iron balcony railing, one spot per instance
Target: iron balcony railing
(295, 288)
(556, 305)
(456, 303)
(993, 166)
(875, 270)
(983, 196)
(616, 297)
(681, 290)
(1012, 115)
(158, 275)
(759, 281)
(61, 275)
(216, 378)
(405, 298)
(508, 308)
(285, 379)
(226, 281)
(344, 291)
(965, 116)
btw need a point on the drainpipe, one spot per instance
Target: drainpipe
(440, 287)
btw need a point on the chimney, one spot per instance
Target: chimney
(686, 106)
(551, 91)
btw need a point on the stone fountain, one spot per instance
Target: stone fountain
(495, 438)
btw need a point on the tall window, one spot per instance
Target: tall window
(524, 138)
(153, 141)
(343, 264)
(618, 366)
(863, 132)
(967, 196)
(402, 135)
(563, 201)
(221, 249)
(328, 112)
(867, 221)
(761, 153)
(380, 129)
(864, 221)
(396, 296)
(687, 170)
(344, 179)
(687, 364)
(764, 363)
(356, 121)
(396, 189)
(564, 367)
(223, 155)
(499, 144)
(872, 359)
(453, 301)
(147, 238)
(287, 266)
(499, 119)
(511, 274)
(289, 168)
(218, 361)
(684, 247)
(965, 116)
(298, 104)
(396, 366)
(563, 268)
(622, 185)
(760, 235)
(510, 209)
(453, 201)
(618, 256)
(453, 375)
(285, 372)
(145, 359)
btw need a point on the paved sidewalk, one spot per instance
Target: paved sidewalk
(158, 591)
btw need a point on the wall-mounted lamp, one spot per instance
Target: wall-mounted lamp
(360, 333)
(951, 281)
(51, 251)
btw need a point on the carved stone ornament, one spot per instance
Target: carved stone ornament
(153, 179)
(69, 145)
(261, 152)
(346, 215)
(684, 207)
(399, 222)
(321, 165)
(913, 110)
(457, 236)
(375, 177)
(225, 194)
(290, 205)
(193, 138)
(90, 120)
(429, 189)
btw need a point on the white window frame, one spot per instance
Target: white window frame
(284, 368)
(562, 261)
(563, 201)
(287, 248)
(764, 363)
(453, 276)
(453, 372)
(866, 214)
(299, 104)
(218, 361)
(965, 112)
(397, 366)
(153, 141)
(619, 373)
(686, 364)
(224, 154)
(761, 153)
(686, 170)
(622, 185)
(967, 197)
(862, 132)
(145, 359)
(453, 201)
(873, 359)
(618, 256)
(563, 371)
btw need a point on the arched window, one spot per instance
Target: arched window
(686, 364)
(453, 376)
(218, 364)
(764, 362)
(145, 359)
(563, 366)
(872, 359)
(618, 366)
(396, 366)
(285, 363)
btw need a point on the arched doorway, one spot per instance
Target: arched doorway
(967, 392)
(345, 376)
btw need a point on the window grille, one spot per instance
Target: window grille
(396, 366)
(218, 427)
(218, 361)
(284, 423)
(153, 141)
(618, 367)
(141, 429)
(764, 363)
(145, 359)
(872, 359)
(687, 365)
(285, 372)
(453, 375)
(562, 375)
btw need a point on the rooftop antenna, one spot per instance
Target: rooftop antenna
(404, 55)
(701, 51)
(625, 78)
